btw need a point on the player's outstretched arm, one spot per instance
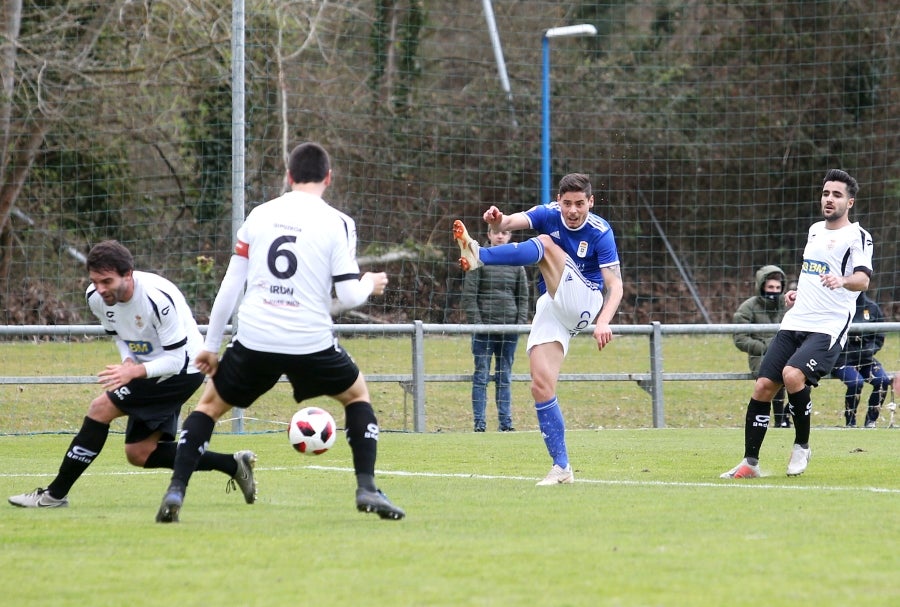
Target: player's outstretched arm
(207, 362)
(858, 281)
(354, 292)
(498, 222)
(612, 280)
(114, 377)
(790, 298)
(226, 300)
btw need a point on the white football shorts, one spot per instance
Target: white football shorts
(575, 306)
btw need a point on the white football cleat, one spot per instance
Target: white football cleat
(742, 470)
(39, 498)
(799, 460)
(558, 476)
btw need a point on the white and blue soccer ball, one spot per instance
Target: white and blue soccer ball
(312, 431)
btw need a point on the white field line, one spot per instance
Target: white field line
(739, 484)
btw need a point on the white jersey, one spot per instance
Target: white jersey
(819, 309)
(155, 327)
(297, 246)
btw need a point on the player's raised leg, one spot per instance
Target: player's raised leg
(473, 256)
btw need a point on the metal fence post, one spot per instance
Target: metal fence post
(656, 376)
(238, 142)
(418, 368)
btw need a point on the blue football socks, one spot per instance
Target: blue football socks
(513, 254)
(553, 430)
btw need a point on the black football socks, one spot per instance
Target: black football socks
(801, 408)
(193, 441)
(362, 435)
(164, 457)
(82, 451)
(755, 426)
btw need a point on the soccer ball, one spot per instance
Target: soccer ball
(312, 431)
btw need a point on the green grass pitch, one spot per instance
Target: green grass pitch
(648, 522)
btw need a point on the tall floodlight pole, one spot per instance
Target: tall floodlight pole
(584, 29)
(498, 56)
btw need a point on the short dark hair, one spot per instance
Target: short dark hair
(110, 255)
(309, 163)
(575, 182)
(845, 178)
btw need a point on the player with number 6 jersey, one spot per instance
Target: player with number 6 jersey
(290, 251)
(300, 244)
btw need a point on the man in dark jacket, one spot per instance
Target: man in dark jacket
(857, 365)
(766, 307)
(495, 295)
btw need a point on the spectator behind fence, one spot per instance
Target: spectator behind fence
(495, 295)
(766, 307)
(857, 365)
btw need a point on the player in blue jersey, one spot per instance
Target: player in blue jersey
(837, 264)
(576, 254)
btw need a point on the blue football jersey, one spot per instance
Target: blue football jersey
(590, 247)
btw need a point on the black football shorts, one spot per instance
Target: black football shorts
(153, 405)
(244, 374)
(812, 353)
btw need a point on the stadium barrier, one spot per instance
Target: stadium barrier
(413, 383)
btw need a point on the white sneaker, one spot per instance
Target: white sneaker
(468, 247)
(39, 498)
(742, 470)
(558, 476)
(799, 460)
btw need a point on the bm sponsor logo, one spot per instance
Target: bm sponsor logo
(811, 266)
(140, 347)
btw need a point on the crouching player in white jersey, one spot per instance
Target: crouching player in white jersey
(576, 254)
(157, 340)
(289, 253)
(837, 265)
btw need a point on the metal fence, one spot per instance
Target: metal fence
(413, 382)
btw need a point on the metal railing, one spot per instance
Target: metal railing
(413, 383)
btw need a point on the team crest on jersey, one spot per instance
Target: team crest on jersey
(866, 314)
(831, 244)
(582, 248)
(138, 321)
